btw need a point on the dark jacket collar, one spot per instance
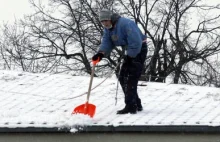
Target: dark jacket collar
(114, 19)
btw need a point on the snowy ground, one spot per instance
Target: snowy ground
(44, 100)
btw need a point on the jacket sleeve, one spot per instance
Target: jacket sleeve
(106, 44)
(134, 39)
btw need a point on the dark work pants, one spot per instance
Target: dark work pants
(129, 76)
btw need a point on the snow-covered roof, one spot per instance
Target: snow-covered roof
(44, 102)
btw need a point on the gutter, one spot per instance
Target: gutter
(119, 129)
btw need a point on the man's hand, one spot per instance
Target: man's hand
(97, 57)
(128, 60)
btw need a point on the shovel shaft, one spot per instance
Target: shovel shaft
(90, 83)
(88, 109)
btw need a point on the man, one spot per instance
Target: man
(120, 31)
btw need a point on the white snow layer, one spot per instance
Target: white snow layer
(46, 100)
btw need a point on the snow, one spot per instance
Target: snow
(47, 100)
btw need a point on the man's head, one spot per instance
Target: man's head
(105, 14)
(105, 18)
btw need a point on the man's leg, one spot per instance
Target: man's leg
(126, 84)
(128, 78)
(141, 59)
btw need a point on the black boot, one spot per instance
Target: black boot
(128, 109)
(139, 106)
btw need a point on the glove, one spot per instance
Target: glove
(128, 60)
(97, 57)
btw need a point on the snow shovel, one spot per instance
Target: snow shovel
(87, 108)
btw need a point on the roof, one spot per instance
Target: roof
(44, 103)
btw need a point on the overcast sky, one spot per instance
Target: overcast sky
(11, 9)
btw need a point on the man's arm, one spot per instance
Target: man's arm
(134, 39)
(106, 44)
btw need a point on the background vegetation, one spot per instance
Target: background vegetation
(61, 37)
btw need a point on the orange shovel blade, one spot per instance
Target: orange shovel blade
(87, 109)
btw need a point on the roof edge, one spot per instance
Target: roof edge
(114, 129)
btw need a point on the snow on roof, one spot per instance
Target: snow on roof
(47, 100)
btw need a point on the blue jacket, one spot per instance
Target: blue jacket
(126, 34)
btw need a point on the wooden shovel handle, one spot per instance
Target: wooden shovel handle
(90, 83)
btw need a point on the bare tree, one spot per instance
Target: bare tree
(196, 44)
(173, 42)
(68, 33)
(16, 50)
